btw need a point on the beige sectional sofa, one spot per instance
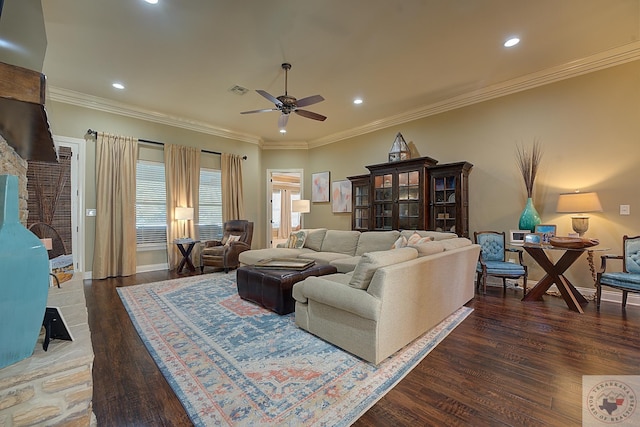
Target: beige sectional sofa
(340, 248)
(406, 296)
(381, 299)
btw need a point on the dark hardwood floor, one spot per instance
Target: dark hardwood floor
(508, 364)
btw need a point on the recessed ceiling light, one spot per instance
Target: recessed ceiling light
(283, 131)
(118, 85)
(151, 1)
(512, 42)
(357, 101)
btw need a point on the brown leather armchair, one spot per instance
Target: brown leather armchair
(224, 253)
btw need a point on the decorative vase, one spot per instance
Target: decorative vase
(24, 279)
(530, 217)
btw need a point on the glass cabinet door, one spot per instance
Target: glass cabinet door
(361, 206)
(444, 203)
(409, 200)
(383, 202)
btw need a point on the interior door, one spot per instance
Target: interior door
(283, 186)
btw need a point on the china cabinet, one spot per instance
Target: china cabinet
(414, 194)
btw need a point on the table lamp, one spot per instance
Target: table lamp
(301, 206)
(579, 204)
(183, 215)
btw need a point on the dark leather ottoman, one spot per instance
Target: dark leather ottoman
(271, 288)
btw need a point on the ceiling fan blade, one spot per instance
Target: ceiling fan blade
(309, 100)
(269, 97)
(282, 121)
(265, 110)
(311, 115)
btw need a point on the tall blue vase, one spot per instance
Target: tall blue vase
(24, 279)
(530, 217)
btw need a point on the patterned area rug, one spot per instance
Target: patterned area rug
(231, 362)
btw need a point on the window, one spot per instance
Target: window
(210, 214)
(151, 204)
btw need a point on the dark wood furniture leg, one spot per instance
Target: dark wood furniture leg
(186, 257)
(555, 274)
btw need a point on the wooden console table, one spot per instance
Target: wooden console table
(555, 274)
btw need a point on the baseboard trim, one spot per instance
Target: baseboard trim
(88, 275)
(589, 293)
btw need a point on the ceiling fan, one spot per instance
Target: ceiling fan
(288, 104)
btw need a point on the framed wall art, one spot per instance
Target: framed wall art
(341, 191)
(320, 187)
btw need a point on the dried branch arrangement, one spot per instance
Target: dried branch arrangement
(528, 163)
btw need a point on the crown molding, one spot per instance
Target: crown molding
(108, 106)
(610, 58)
(600, 61)
(285, 145)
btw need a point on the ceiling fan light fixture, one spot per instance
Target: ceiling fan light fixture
(287, 104)
(511, 42)
(283, 131)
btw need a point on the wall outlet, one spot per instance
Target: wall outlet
(625, 210)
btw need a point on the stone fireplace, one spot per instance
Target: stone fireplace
(55, 387)
(52, 388)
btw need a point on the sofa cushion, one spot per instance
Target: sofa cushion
(345, 265)
(437, 235)
(458, 242)
(296, 239)
(323, 257)
(253, 256)
(371, 261)
(428, 248)
(372, 241)
(341, 241)
(314, 238)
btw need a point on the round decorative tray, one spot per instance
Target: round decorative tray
(571, 242)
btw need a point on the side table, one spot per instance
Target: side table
(186, 246)
(555, 274)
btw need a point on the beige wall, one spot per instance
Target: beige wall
(589, 127)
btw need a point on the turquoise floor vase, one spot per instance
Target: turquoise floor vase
(530, 217)
(24, 279)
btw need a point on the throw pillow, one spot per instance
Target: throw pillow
(371, 261)
(400, 243)
(415, 237)
(232, 238)
(296, 239)
(428, 248)
(425, 240)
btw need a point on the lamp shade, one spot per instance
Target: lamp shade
(301, 206)
(578, 203)
(184, 213)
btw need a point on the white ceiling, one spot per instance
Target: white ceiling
(406, 58)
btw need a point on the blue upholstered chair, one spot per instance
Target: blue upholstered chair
(627, 280)
(493, 260)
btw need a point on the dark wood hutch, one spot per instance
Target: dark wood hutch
(414, 194)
